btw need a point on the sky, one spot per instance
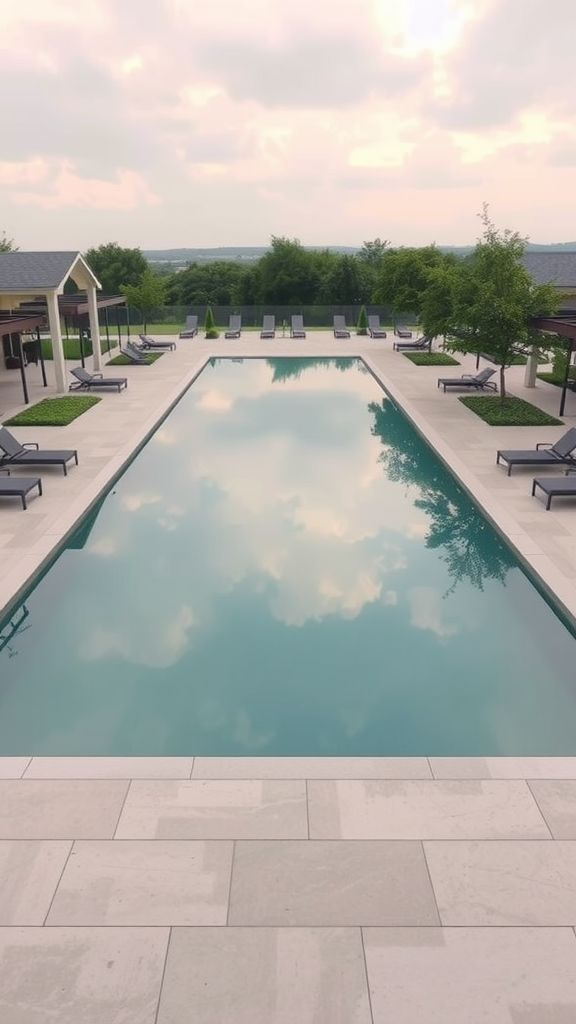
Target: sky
(167, 123)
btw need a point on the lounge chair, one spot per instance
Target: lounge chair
(479, 381)
(297, 326)
(146, 342)
(402, 332)
(555, 487)
(421, 344)
(191, 328)
(87, 381)
(29, 454)
(340, 329)
(18, 486)
(268, 326)
(374, 328)
(544, 454)
(234, 326)
(135, 355)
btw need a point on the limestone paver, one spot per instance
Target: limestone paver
(311, 768)
(469, 975)
(107, 767)
(144, 883)
(29, 873)
(557, 802)
(503, 767)
(70, 809)
(504, 883)
(13, 767)
(265, 976)
(330, 884)
(81, 975)
(472, 809)
(215, 809)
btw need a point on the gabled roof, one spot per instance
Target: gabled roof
(558, 267)
(29, 271)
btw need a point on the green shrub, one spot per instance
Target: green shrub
(362, 326)
(431, 359)
(54, 412)
(209, 325)
(512, 412)
(123, 360)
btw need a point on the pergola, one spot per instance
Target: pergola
(13, 326)
(43, 275)
(74, 311)
(564, 325)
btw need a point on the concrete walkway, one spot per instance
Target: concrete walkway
(289, 890)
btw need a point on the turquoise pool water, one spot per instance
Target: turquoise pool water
(286, 568)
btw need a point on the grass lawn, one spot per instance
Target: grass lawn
(558, 382)
(431, 359)
(122, 360)
(513, 412)
(53, 412)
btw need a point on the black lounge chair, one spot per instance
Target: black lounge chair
(479, 381)
(234, 326)
(135, 355)
(18, 487)
(29, 454)
(146, 342)
(555, 487)
(544, 454)
(268, 326)
(297, 326)
(421, 344)
(375, 330)
(340, 329)
(191, 328)
(87, 381)
(402, 332)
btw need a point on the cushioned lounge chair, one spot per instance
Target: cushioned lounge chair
(87, 381)
(191, 328)
(375, 330)
(297, 326)
(478, 382)
(402, 332)
(146, 342)
(29, 454)
(421, 344)
(18, 486)
(268, 326)
(340, 329)
(544, 454)
(556, 487)
(135, 355)
(234, 326)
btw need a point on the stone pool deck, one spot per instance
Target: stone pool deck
(289, 890)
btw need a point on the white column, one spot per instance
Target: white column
(57, 347)
(94, 326)
(531, 368)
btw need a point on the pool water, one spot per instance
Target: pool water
(286, 569)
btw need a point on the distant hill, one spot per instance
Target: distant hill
(249, 253)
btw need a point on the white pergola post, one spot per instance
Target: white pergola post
(57, 347)
(531, 368)
(94, 326)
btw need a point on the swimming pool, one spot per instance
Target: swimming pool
(286, 569)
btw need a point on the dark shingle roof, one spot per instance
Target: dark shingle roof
(29, 270)
(558, 267)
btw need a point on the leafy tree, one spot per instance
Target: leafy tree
(344, 283)
(403, 277)
(372, 252)
(7, 244)
(209, 325)
(147, 295)
(116, 267)
(285, 274)
(492, 299)
(362, 326)
(285, 368)
(206, 283)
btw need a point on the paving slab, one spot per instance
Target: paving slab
(311, 768)
(107, 767)
(471, 975)
(13, 767)
(265, 976)
(557, 802)
(330, 884)
(71, 809)
(144, 883)
(29, 873)
(81, 975)
(503, 767)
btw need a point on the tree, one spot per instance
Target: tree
(492, 298)
(372, 252)
(209, 325)
(286, 274)
(7, 244)
(147, 295)
(362, 326)
(344, 283)
(403, 277)
(116, 267)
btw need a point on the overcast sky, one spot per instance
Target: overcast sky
(160, 123)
